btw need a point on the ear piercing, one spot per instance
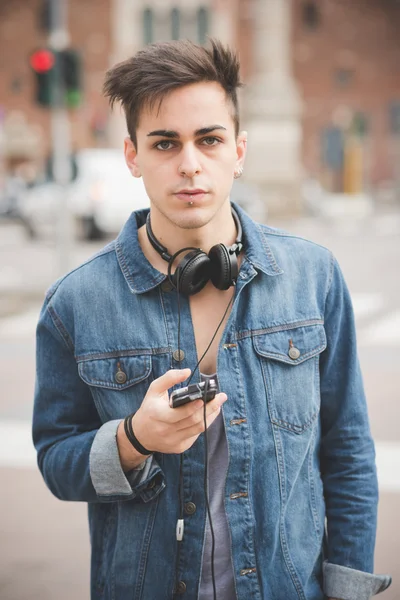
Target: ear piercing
(238, 172)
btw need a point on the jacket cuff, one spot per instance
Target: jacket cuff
(108, 477)
(344, 583)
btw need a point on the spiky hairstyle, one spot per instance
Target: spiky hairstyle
(157, 69)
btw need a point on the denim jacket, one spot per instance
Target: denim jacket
(301, 488)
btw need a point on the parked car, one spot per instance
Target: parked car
(104, 193)
(13, 189)
(100, 199)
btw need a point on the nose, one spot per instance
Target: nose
(189, 163)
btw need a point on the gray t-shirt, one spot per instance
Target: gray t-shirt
(217, 469)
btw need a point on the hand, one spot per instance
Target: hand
(161, 428)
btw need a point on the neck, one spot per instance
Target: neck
(220, 228)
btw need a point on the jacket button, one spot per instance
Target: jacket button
(190, 508)
(178, 355)
(181, 587)
(120, 376)
(167, 286)
(294, 353)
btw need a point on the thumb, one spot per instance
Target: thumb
(169, 379)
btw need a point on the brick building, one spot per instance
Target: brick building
(21, 32)
(337, 62)
(346, 58)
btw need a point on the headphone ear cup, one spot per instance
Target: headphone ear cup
(223, 267)
(193, 272)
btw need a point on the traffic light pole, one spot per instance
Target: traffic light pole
(61, 144)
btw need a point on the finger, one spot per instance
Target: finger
(197, 416)
(168, 380)
(198, 428)
(187, 411)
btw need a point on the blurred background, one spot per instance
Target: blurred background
(321, 105)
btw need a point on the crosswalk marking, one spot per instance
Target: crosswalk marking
(22, 325)
(10, 278)
(387, 225)
(365, 305)
(17, 451)
(385, 332)
(16, 446)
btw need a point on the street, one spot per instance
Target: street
(45, 542)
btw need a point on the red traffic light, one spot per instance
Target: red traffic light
(42, 60)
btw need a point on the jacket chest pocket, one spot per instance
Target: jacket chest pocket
(118, 384)
(290, 364)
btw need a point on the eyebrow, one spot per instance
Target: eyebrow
(174, 134)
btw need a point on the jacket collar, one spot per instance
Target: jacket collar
(141, 276)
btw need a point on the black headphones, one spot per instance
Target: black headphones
(197, 267)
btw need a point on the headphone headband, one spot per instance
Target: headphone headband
(163, 252)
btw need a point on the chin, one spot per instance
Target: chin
(191, 218)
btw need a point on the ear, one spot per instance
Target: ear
(131, 157)
(241, 147)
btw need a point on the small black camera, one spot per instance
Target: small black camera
(192, 392)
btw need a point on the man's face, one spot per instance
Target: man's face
(187, 152)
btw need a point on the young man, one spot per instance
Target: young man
(288, 438)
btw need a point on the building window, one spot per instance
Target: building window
(311, 16)
(332, 147)
(188, 23)
(175, 23)
(394, 118)
(344, 77)
(148, 26)
(202, 23)
(360, 124)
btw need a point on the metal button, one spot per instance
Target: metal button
(190, 508)
(181, 587)
(237, 495)
(167, 286)
(247, 571)
(178, 355)
(294, 353)
(120, 376)
(237, 421)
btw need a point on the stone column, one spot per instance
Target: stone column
(126, 40)
(272, 112)
(224, 17)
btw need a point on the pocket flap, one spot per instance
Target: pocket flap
(115, 373)
(291, 346)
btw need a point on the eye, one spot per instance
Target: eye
(164, 145)
(210, 141)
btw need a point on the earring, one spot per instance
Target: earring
(238, 172)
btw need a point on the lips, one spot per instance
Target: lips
(191, 195)
(192, 192)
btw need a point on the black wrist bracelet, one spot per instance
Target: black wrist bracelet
(132, 438)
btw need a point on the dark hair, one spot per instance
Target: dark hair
(157, 69)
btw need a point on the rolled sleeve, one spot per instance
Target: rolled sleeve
(108, 477)
(350, 584)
